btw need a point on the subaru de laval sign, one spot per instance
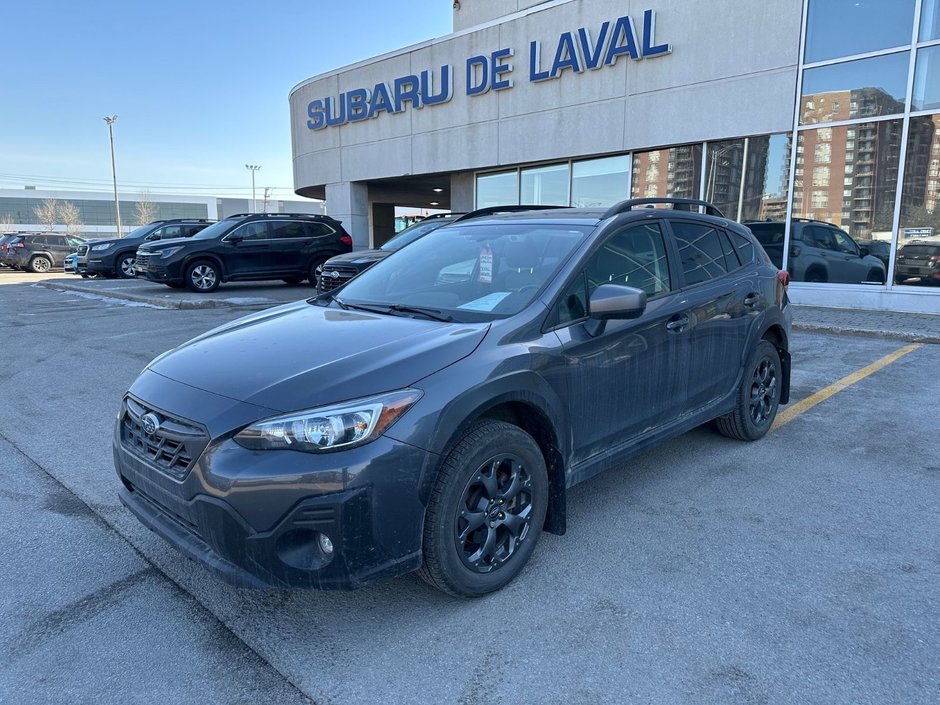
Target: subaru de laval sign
(578, 51)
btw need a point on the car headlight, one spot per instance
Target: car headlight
(327, 428)
(170, 251)
(100, 248)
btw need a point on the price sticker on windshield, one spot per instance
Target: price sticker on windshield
(486, 265)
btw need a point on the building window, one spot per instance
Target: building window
(930, 20)
(837, 28)
(499, 189)
(871, 87)
(927, 80)
(600, 182)
(545, 185)
(920, 201)
(747, 178)
(681, 178)
(821, 176)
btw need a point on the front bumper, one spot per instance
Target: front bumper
(254, 517)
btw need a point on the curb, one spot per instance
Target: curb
(847, 330)
(168, 303)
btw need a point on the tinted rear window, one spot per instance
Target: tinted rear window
(921, 250)
(768, 234)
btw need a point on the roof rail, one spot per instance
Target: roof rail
(629, 205)
(281, 215)
(495, 210)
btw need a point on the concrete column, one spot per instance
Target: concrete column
(383, 223)
(348, 201)
(461, 191)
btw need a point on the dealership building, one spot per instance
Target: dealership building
(824, 110)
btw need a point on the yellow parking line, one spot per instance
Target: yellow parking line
(791, 412)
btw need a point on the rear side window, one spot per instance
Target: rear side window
(290, 229)
(743, 247)
(700, 252)
(252, 231)
(317, 229)
(38, 241)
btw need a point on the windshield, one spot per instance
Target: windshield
(412, 233)
(139, 232)
(215, 230)
(470, 272)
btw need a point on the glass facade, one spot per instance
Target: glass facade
(93, 212)
(850, 197)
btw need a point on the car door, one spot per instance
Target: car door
(58, 247)
(852, 268)
(289, 240)
(722, 298)
(247, 251)
(628, 380)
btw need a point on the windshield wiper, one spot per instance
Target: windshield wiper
(391, 309)
(433, 313)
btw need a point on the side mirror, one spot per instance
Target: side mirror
(614, 301)
(863, 252)
(235, 239)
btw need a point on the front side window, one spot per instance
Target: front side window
(633, 257)
(844, 243)
(701, 252)
(252, 231)
(473, 272)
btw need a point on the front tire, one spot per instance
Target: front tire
(486, 510)
(40, 264)
(312, 274)
(758, 397)
(125, 266)
(203, 277)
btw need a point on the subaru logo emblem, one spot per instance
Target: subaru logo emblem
(335, 275)
(151, 423)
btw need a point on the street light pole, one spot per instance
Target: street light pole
(253, 168)
(117, 206)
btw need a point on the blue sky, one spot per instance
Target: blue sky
(200, 87)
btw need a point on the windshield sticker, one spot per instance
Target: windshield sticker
(486, 303)
(486, 266)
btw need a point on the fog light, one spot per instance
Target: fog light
(325, 544)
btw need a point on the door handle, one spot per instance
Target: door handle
(752, 300)
(677, 323)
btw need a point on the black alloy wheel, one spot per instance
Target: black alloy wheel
(313, 274)
(202, 277)
(486, 510)
(758, 397)
(40, 264)
(125, 266)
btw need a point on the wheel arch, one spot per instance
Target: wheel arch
(777, 336)
(527, 411)
(199, 256)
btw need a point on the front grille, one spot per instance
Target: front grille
(141, 260)
(171, 448)
(328, 282)
(83, 250)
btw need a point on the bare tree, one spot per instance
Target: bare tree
(145, 210)
(47, 213)
(72, 218)
(6, 222)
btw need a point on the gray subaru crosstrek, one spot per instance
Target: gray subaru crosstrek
(431, 414)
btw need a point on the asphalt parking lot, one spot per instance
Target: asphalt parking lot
(803, 568)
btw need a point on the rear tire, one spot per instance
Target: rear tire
(40, 264)
(817, 276)
(758, 397)
(486, 510)
(203, 277)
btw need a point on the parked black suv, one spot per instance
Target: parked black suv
(115, 258)
(918, 262)
(432, 413)
(248, 246)
(41, 252)
(338, 270)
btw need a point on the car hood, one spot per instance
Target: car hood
(363, 257)
(301, 355)
(162, 244)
